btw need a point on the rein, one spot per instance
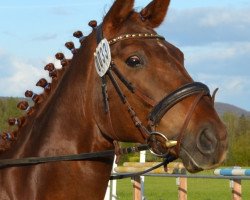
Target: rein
(6, 163)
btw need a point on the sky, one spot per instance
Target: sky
(213, 34)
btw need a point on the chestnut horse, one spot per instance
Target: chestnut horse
(80, 112)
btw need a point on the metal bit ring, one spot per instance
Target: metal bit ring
(167, 144)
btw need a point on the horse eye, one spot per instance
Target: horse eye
(134, 61)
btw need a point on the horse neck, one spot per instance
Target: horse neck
(65, 124)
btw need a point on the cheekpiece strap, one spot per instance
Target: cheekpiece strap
(99, 34)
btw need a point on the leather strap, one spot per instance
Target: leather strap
(167, 160)
(186, 122)
(132, 88)
(173, 98)
(99, 34)
(6, 163)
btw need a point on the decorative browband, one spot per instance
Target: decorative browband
(135, 36)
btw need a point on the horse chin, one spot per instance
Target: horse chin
(189, 162)
(193, 165)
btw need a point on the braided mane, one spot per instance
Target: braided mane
(36, 102)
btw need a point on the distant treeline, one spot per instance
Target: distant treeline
(238, 129)
(8, 109)
(239, 139)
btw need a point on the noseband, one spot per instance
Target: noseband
(157, 141)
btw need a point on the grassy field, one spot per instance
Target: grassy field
(162, 188)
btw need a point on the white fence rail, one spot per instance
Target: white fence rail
(182, 179)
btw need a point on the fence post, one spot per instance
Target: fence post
(181, 182)
(108, 191)
(142, 160)
(235, 185)
(111, 189)
(136, 180)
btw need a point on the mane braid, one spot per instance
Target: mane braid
(8, 138)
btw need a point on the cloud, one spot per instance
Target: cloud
(46, 37)
(19, 76)
(232, 89)
(225, 58)
(216, 45)
(61, 11)
(221, 17)
(5, 69)
(2, 52)
(200, 26)
(226, 67)
(231, 84)
(9, 34)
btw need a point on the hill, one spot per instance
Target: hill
(222, 108)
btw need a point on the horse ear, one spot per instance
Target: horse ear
(155, 12)
(118, 13)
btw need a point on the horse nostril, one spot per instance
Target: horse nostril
(207, 142)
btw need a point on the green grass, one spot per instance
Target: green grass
(164, 188)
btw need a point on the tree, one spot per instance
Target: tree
(239, 139)
(8, 109)
(242, 125)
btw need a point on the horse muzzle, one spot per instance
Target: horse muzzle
(160, 109)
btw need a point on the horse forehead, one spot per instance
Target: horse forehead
(172, 50)
(154, 46)
(169, 46)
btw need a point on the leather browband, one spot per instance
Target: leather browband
(135, 36)
(173, 98)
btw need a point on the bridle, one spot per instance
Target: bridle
(156, 142)
(153, 138)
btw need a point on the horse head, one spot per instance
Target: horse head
(155, 69)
